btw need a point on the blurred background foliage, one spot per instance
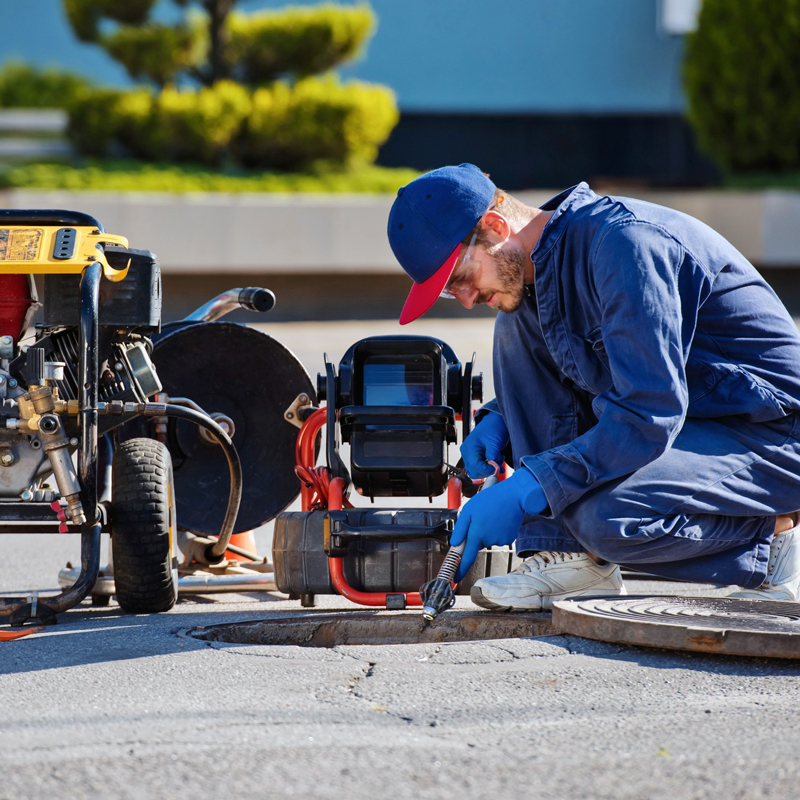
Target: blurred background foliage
(25, 86)
(742, 81)
(219, 88)
(238, 92)
(125, 175)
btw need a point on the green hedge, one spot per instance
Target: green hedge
(742, 80)
(23, 86)
(85, 15)
(296, 41)
(93, 121)
(171, 126)
(316, 120)
(115, 175)
(281, 127)
(156, 52)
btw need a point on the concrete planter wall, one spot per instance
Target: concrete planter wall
(197, 234)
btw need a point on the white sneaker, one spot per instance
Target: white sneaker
(545, 577)
(783, 570)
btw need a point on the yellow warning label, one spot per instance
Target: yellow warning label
(19, 245)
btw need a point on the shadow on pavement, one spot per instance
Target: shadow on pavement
(98, 635)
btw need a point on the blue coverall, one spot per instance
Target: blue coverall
(651, 383)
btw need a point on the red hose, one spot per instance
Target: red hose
(335, 498)
(314, 480)
(318, 491)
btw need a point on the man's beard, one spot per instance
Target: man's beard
(510, 266)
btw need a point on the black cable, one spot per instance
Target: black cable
(214, 552)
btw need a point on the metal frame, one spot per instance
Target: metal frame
(22, 609)
(305, 451)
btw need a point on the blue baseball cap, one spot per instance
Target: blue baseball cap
(430, 217)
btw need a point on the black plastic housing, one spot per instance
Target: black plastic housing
(398, 451)
(371, 565)
(396, 401)
(132, 303)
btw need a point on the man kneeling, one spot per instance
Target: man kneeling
(647, 382)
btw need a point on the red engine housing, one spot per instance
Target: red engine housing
(18, 302)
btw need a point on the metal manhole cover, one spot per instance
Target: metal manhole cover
(705, 624)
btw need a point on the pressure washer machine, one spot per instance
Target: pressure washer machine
(396, 402)
(86, 390)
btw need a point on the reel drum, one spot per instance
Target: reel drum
(252, 379)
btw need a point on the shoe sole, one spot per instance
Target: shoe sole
(522, 605)
(754, 594)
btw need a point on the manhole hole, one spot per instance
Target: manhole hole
(331, 630)
(724, 625)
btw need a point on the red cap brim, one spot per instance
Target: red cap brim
(423, 295)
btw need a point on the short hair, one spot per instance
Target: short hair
(512, 209)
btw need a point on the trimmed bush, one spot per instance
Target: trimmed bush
(199, 126)
(292, 127)
(93, 121)
(23, 86)
(135, 126)
(85, 15)
(180, 126)
(281, 127)
(155, 52)
(741, 78)
(297, 123)
(296, 41)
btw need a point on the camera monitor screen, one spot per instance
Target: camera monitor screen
(398, 381)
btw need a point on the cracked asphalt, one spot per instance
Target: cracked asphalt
(110, 705)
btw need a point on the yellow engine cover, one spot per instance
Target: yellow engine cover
(42, 249)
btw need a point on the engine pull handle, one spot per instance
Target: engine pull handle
(251, 298)
(254, 298)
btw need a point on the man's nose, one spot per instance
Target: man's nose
(468, 296)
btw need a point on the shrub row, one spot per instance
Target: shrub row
(23, 86)
(277, 127)
(119, 175)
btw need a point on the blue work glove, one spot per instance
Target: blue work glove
(484, 444)
(494, 516)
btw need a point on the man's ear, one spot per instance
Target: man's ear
(495, 223)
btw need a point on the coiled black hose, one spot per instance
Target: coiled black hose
(215, 552)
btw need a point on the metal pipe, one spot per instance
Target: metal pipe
(88, 370)
(251, 298)
(201, 584)
(20, 610)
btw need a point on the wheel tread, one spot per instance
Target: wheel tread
(142, 476)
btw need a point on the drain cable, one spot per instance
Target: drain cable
(215, 547)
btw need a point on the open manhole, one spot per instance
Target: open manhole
(332, 630)
(724, 625)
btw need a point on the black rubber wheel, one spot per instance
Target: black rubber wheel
(143, 527)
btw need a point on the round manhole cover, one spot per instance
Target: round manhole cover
(332, 630)
(706, 624)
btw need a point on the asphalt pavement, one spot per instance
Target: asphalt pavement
(113, 705)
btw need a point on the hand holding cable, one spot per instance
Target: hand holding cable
(482, 450)
(494, 516)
